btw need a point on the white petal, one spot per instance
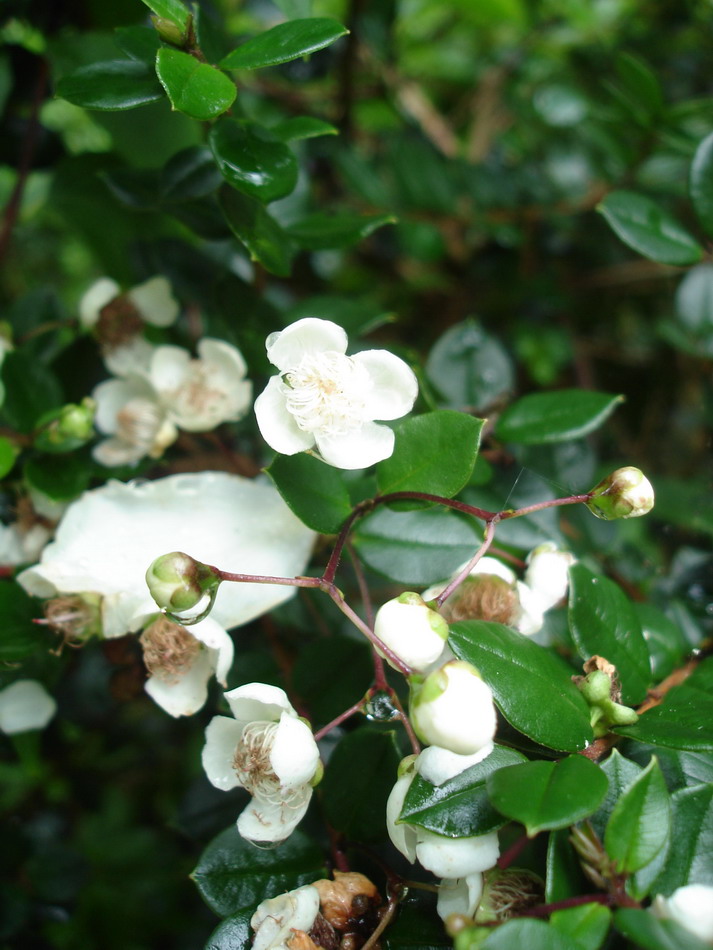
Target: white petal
(114, 452)
(532, 610)
(294, 754)
(113, 395)
(226, 358)
(691, 906)
(403, 836)
(266, 821)
(459, 896)
(185, 694)
(155, 302)
(259, 702)
(457, 857)
(130, 359)
(219, 643)
(169, 367)
(102, 292)
(491, 565)
(548, 573)
(394, 384)
(277, 426)
(286, 348)
(25, 705)
(359, 448)
(221, 740)
(276, 918)
(438, 765)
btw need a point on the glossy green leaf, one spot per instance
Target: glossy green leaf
(433, 453)
(645, 227)
(460, 807)
(111, 86)
(541, 418)
(358, 780)
(197, 89)
(138, 42)
(20, 636)
(285, 42)
(258, 231)
(416, 926)
(470, 367)
(31, 390)
(8, 454)
(650, 933)
(251, 160)
(620, 773)
(666, 642)
(416, 547)
(172, 10)
(701, 184)
(604, 622)
(235, 932)
(532, 687)
(331, 674)
(558, 793)
(564, 870)
(60, 477)
(639, 824)
(322, 231)
(689, 859)
(640, 83)
(189, 174)
(313, 490)
(587, 925)
(232, 873)
(302, 127)
(528, 933)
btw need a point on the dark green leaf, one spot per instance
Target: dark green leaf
(322, 231)
(648, 229)
(620, 773)
(416, 927)
(639, 824)
(254, 227)
(233, 933)
(314, 491)
(689, 859)
(586, 925)
(135, 187)
(460, 807)
(331, 674)
(285, 42)
(302, 127)
(252, 160)
(111, 86)
(232, 873)
(558, 793)
(416, 547)
(530, 934)
(8, 454)
(541, 418)
(434, 453)
(564, 871)
(172, 10)
(31, 390)
(640, 83)
(701, 185)
(471, 368)
(60, 477)
(694, 299)
(189, 174)
(532, 687)
(648, 932)
(20, 636)
(665, 640)
(358, 780)
(138, 42)
(604, 623)
(199, 90)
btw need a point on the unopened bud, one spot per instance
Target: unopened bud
(453, 708)
(67, 428)
(601, 690)
(178, 582)
(413, 631)
(626, 493)
(169, 31)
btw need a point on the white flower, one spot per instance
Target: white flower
(267, 750)
(153, 300)
(110, 535)
(547, 573)
(277, 918)
(129, 412)
(459, 896)
(25, 705)
(414, 632)
(101, 292)
(324, 398)
(453, 708)
(181, 661)
(691, 907)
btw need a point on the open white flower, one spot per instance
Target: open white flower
(268, 750)
(691, 907)
(153, 300)
(325, 399)
(128, 410)
(25, 705)
(110, 535)
(459, 896)
(277, 918)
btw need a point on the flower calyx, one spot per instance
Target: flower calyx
(600, 688)
(626, 493)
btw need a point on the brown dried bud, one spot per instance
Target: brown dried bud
(302, 941)
(348, 897)
(119, 322)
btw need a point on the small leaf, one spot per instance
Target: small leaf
(639, 824)
(701, 186)
(690, 854)
(530, 934)
(252, 161)
(20, 636)
(620, 773)
(683, 721)
(189, 174)
(586, 925)
(314, 491)
(541, 418)
(322, 231)
(172, 10)
(648, 229)
(331, 674)
(234, 932)
(604, 623)
(564, 870)
(111, 86)
(139, 42)
(8, 454)
(31, 390)
(433, 453)
(258, 231)
(197, 89)
(285, 42)
(532, 687)
(302, 127)
(649, 932)
(558, 793)
(60, 477)
(470, 367)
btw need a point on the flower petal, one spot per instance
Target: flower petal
(456, 857)
(112, 395)
(184, 694)
(102, 292)
(130, 359)
(459, 896)
(276, 918)
(267, 821)
(25, 705)
(259, 702)
(155, 301)
(438, 765)
(219, 643)
(394, 384)
(286, 348)
(294, 754)
(169, 367)
(359, 448)
(221, 740)
(277, 426)
(403, 836)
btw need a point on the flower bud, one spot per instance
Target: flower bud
(67, 428)
(453, 708)
(169, 31)
(626, 493)
(413, 631)
(178, 582)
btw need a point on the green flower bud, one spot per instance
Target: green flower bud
(67, 428)
(626, 493)
(178, 582)
(169, 31)
(595, 687)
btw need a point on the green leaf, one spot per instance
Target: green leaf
(639, 824)
(60, 477)
(302, 127)
(689, 859)
(470, 367)
(331, 674)
(532, 687)
(258, 231)
(416, 926)
(251, 160)
(235, 932)
(649, 932)
(530, 934)
(694, 299)
(665, 641)
(640, 84)
(111, 86)
(701, 184)
(433, 453)
(620, 773)
(31, 390)
(172, 10)
(416, 547)
(232, 873)
(190, 174)
(460, 807)
(20, 636)
(322, 231)
(683, 721)
(558, 793)
(138, 42)
(604, 623)
(648, 229)
(8, 454)
(285, 42)
(358, 780)
(541, 418)
(586, 925)
(313, 490)
(564, 871)
(197, 89)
